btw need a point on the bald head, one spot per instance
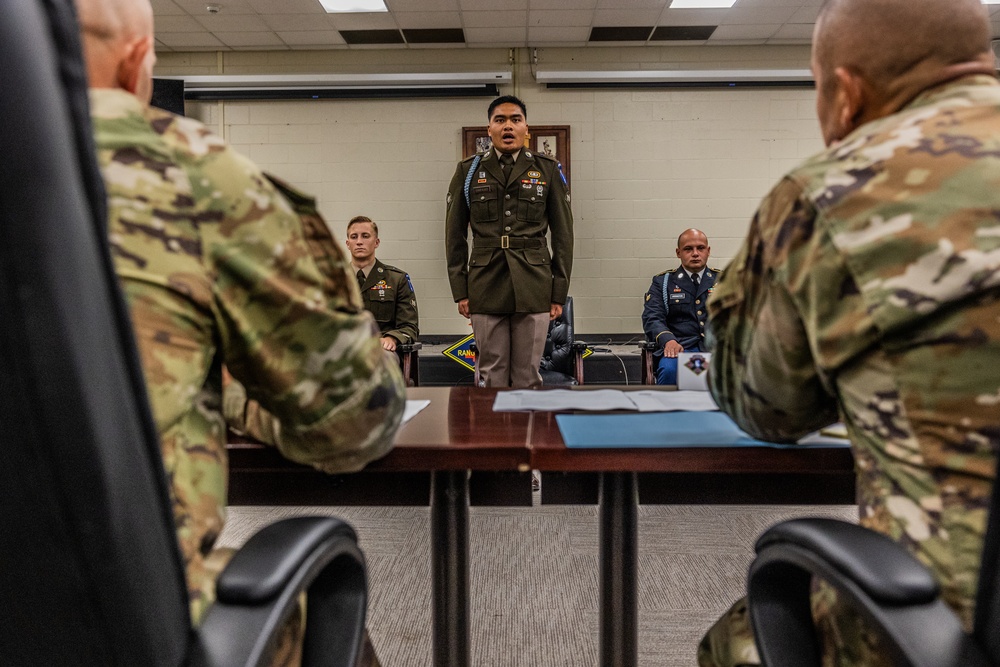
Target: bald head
(896, 49)
(118, 44)
(693, 250)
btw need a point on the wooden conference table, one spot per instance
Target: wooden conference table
(458, 452)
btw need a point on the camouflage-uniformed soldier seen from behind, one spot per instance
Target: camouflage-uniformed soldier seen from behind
(869, 289)
(217, 270)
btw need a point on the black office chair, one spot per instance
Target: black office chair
(892, 591)
(92, 574)
(562, 359)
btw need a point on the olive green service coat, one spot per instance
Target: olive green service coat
(509, 269)
(388, 295)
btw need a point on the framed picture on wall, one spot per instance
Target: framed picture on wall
(552, 140)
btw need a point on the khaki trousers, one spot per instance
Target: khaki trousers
(510, 348)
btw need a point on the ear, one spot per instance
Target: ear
(852, 99)
(377, 241)
(130, 67)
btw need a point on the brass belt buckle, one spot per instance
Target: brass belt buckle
(504, 241)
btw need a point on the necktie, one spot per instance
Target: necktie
(361, 278)
(695, 279)
(506, 162)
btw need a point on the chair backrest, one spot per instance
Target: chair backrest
(558, 354)
(91, 571)
(988, 597)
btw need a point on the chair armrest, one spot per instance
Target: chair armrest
(260, 588)
(882, 568)
(579, 346)
(648, 345)
(409, 347)
(887, 586)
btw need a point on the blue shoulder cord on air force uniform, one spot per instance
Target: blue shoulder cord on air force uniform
(468, 179)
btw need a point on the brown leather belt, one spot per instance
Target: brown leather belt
(510, 242)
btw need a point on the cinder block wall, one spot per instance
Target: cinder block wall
(645, 164)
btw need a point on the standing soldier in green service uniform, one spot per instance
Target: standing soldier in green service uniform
(385, 290)
(510, 286)
(217, 269)
(868, 289)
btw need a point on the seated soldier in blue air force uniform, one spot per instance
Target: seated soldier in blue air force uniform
(674, 313)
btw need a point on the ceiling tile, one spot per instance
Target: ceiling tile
(172, 23)
(626, 17)
(727, 32)
(298, 22)
(579, 34)
(573, 5)
(396, 6)
(165, 8)
(491, 5)
(196, 8)
(795, 31)
(316, 38)
(254, 39)
(495, 36)
(627, 5)
(758, 15)
(428, 19)
(186, 41)
(620, 33)
(693, 16)
(285, 6)
(674, 33)
(372, 36)
(434, 36)
(217, 23)
(489, 20)
(552, 18)
(363, 21)
(805, 15)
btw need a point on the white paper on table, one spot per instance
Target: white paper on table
(562, 399)
(412, 408)
(670, 401)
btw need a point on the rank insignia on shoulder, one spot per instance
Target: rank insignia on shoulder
(648, 296)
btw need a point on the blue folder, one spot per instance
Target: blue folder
(667, 429)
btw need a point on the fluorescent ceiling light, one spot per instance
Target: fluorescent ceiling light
(674, 76)
(991, 2)
(325, 81)
(358, 6)
(705, 4)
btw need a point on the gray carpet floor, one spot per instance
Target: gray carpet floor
(534, 572)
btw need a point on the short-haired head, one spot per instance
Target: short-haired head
(886, 52)
(506, 99)
(358, 219)
(118, 44)
(693, 250)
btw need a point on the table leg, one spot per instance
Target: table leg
(450, 567)
(619, 508)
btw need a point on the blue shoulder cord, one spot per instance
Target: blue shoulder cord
(666, 299)
(468, 179)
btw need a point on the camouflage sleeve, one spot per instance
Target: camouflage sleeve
(763, 373)
(308, 355)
